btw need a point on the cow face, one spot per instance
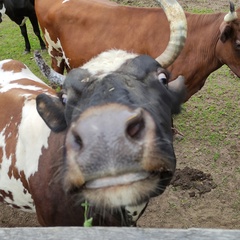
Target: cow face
(118, 131)
(228, 46)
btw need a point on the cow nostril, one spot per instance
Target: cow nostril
(135, 127)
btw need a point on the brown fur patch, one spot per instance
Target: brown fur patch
(14, 66)
(6, 195)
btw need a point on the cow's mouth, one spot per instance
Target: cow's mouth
(129, 189)
(112, 181)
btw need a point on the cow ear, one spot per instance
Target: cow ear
(51, 110)
(179, 92)
(225, 32)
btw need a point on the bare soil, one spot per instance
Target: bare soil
(203, 193)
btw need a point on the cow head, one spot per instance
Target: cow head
(2, 10)
(118, 146)
(228, 46)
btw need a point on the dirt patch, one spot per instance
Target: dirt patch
(205, 189)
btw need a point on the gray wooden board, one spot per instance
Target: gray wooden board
(114, 233)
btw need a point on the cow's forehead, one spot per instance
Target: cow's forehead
(108, 65)
(108, 62)
(105, 64)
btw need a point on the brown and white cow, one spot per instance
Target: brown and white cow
(77, 30)
(106, 139)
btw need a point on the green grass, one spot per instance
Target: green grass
(212, 115)
(199, 11)
(12, 45)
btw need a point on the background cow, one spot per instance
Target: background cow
(18, 11)
(211, 42)
(80, 154)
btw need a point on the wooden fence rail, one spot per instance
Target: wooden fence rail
(113, 233)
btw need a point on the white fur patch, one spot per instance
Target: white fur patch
(57, 46)
(7, 77)
(23, 21)
(32, 137)
(134, 212)
(13, 186)
(108, 61)
(3, 10)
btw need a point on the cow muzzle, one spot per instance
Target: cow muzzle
(114, 158)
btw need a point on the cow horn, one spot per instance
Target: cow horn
(232, 15)
(49, 73)
(178, 31)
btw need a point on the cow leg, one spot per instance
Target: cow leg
(25, 35)
(34, 22)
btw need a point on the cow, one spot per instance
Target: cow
(99, 149)
(83, 29)
(19, 11)
(105, 139)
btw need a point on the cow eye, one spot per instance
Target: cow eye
(162, 77)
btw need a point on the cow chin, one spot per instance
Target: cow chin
(125, 190)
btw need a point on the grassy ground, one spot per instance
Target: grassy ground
(12, 44)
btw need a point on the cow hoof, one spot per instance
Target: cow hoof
(26, 52)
